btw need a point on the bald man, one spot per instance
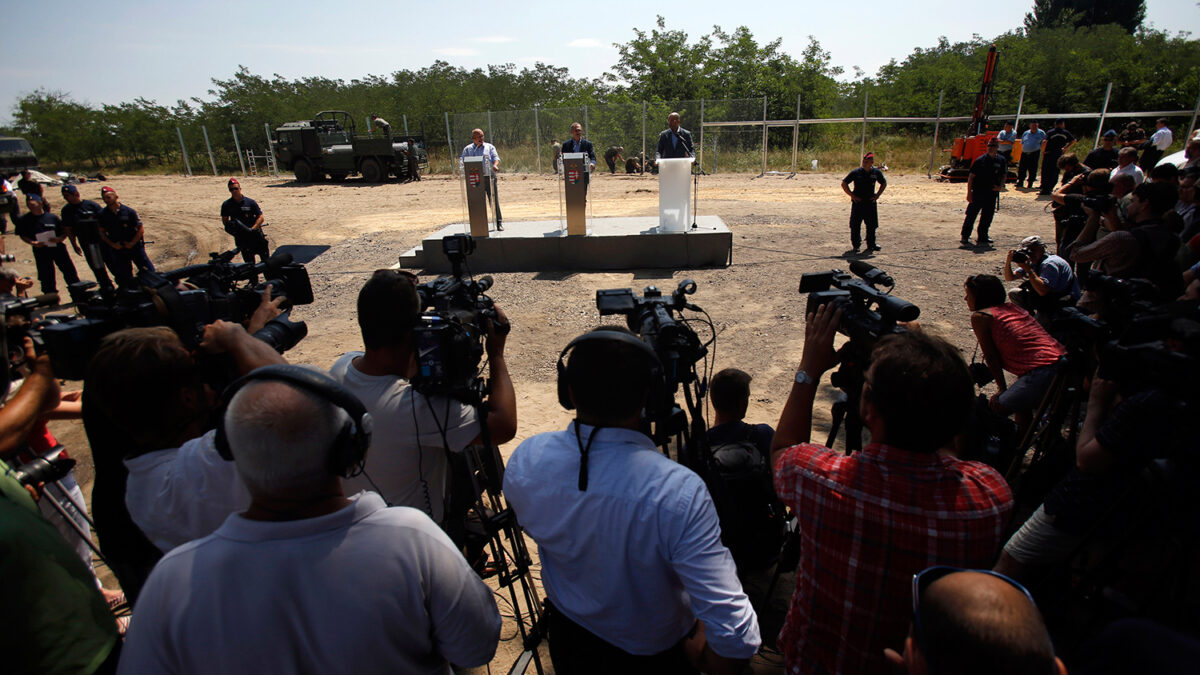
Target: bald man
(478, 148)
(976, 622)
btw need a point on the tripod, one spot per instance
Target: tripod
(1052, 435)
(844, 410)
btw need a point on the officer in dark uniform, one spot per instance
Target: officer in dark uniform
(82, 218)
(864, 201)
(123, 236)
(987, 176)
(244, 220)
(1058, 140)
(46, 234)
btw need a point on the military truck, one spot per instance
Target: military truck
(327, 145)
(16, 155)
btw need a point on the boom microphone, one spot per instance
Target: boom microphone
(870, 273)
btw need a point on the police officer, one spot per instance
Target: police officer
(1058, 140)
(46, 233)
(244, 220)
(123, 236)
(82, 218)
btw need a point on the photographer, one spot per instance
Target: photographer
(1148, 249)
(151, 392)
(1067, 200)
(871, 520)
(1054, 284)
(306, 579)
(1011, 340)
(636, 577)
(408, 463)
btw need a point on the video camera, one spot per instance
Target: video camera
(867, 313)
(449, 334)
(186, 300)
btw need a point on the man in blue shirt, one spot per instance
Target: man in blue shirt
(244, 220)
(478, 148)
(1031, 150)
(636, 577)
(1006, 138)
(1053, 281)
(124, 237)
(46, 234)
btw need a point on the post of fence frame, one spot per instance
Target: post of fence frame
(491, 136)
(208, 145)
(643, 137)
(585, 121)
(700, 150)
(237, 144)
(450, 144)
(183, 147)
(862, 148)
(1103, 112)
(1020, 104)
(937, 123)
(405, 124)
(763, 136)
(796, 135)
(537, 136)
(1192, 126)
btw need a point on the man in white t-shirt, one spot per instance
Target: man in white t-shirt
(1154, 149)
(306, 579)
(408, 463)
(1127, 165)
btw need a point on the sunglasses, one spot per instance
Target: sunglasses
(926, 577)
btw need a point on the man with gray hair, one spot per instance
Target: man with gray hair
(368, 588)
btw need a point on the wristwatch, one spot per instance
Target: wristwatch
(804, 378)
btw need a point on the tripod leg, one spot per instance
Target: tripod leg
(838, 412)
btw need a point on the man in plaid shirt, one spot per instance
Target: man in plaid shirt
(870, 520)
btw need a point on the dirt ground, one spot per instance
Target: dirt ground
(781, 227)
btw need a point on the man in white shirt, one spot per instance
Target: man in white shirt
(408, 463)
(1127, 165)
(632, 562)
(306, 579)
(478, 148)
(1156, 146)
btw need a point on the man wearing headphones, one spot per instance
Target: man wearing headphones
(408, 464)
(368, 588)
(635, 573)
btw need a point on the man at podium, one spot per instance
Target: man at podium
(674, 141)
(577, 143)
(478, 148)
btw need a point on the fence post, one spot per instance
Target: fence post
(490, 136)
(1103, 112)
(405, 124)
(209, 146)
(644, 137)
(936, 126)
(1020, 104)
(700, 152)
(585, 121)
(796, 135)
(237, 144)
(183, 147)
(450, 144)
(764, 150)
(716, 150)
(862, 148)
(1192, 126)
(537, 136)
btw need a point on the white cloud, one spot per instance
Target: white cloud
(456, 51)
(494, 39)
(585, 42)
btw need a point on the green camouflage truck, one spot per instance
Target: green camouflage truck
(327, 145)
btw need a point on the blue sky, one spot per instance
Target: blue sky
(121, 49)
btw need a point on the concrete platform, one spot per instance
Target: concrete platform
(611, 244)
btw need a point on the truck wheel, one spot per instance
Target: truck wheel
(371, 171)
(303, 171)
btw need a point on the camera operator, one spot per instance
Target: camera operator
(368, 589)
(635, 573)
(1051, 278)
(151, 392)
(1147, 249)
(11, 285)
(1011, 339)
(1069, 218)
(55, 619)
(408, 464)
(871, 520)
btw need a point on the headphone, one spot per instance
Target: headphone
(658, 382)
(349, 451)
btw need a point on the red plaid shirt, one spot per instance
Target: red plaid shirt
(868, 522)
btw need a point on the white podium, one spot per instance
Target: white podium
(675, 194)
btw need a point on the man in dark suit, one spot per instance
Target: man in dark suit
(675, 141)
(577, 143)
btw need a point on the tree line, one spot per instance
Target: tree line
(1062, 57)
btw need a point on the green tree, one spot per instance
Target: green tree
(1128, 14)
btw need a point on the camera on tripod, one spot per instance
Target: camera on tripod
(44, 470)
(449, 334)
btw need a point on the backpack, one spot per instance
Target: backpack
(752, 517)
